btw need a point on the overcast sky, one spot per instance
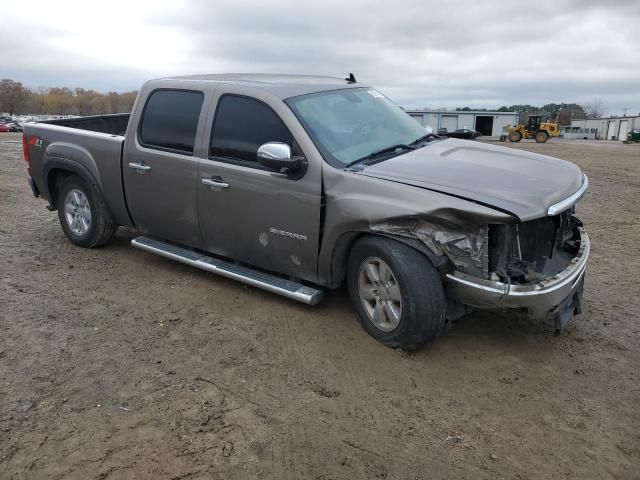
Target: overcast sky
(420, 53)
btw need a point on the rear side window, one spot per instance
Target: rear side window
(241, 125)
(170, 120)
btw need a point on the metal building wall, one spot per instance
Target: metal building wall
(457, 119)
(609, 128)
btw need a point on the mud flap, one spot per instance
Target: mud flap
(570, 306)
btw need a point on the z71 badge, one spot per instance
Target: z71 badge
(35, 141)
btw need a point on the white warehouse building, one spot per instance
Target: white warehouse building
(609, 128)
(492, 124)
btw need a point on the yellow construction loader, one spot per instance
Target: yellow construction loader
(534, 128)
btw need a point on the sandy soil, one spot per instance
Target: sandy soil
(115, 363)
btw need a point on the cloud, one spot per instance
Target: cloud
(434, 54)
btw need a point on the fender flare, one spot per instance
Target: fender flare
(54, 163)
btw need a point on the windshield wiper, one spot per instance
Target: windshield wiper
(384, 151)
(424, 138)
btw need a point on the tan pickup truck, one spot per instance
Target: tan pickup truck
(298, 184)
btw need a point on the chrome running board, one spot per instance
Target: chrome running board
(255, 278)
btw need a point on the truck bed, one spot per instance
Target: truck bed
(115, 124)
(89, 144)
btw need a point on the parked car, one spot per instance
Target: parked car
(14, 127)
(464, 133)
(4, 127)
(302, 184)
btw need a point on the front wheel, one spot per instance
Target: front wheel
(84, 220)
(542, 137)
(396, 292)
(515, 136)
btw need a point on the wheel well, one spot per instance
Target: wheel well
(54, 182)
(346, 241)
(341, 250)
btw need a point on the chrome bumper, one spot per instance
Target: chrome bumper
(539, 299)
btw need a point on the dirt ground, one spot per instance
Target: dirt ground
(115, 363)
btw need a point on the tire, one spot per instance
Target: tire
(413, 280)
(85, 221)
(542, 137)
(515, 136)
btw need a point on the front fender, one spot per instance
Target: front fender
(443, 227)
(338, 268)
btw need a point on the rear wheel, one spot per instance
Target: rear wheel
(396, 292)
(84, 220)
(515, 136)
(542, 137)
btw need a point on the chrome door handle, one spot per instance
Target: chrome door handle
(139, 166)
(215, 182)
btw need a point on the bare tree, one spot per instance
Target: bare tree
(12, 95)
(16, 99)
(595, 109)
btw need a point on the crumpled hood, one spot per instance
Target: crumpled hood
(522, 183)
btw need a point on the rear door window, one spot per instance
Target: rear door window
(241, 125)
(170, 120)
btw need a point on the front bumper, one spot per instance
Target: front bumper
(538, 299)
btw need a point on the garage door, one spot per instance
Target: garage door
(623, 130)
(417, 117)
(611, 133)
(450, 122)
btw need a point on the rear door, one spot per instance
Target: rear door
(253, 214)
(160, 165)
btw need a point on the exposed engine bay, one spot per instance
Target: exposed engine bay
(527, 252)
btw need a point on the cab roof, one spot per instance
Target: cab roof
(283, 86)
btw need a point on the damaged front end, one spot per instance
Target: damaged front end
(536, 266)
(465, 248)
(528, 252)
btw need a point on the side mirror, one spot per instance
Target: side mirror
(277, 156)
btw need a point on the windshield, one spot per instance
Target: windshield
(350, 124)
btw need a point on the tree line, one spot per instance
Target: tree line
(16, 99)
(561, 113)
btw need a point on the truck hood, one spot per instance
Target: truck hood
(521, 183)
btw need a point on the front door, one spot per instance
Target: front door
(160, 166)
(247, 212)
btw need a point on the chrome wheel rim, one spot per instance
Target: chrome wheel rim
(77, 212)
(380, 294)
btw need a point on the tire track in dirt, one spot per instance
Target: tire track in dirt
(288, 335)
